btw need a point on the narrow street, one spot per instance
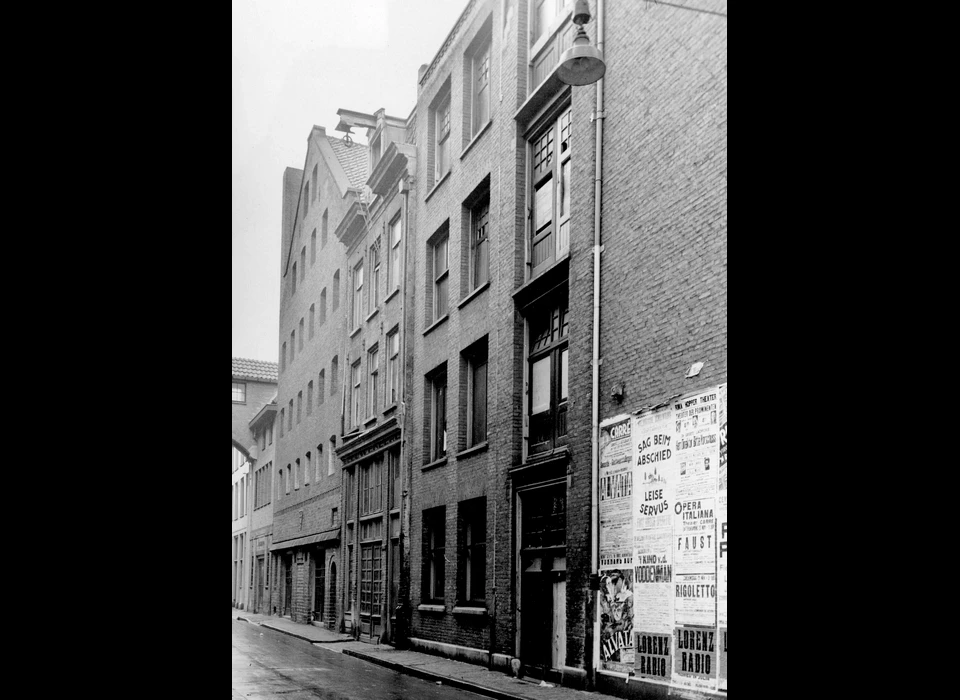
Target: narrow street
(269, 664)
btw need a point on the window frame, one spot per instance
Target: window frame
(239, 390)
(394, 268)
(441, 280)
(477, 356)
(373, 376)
(438, 414)
(434, 546)
(441, 142)
(357, 311)
(472, 564)
(552, 147)
(355, 406)
(393, 367)
(556, 350)
(480, 225)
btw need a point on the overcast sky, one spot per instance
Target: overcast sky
(295, 63)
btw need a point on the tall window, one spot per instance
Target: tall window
(479, 244)
(434, 539)
(545, 13)
(437, 425)
(300, 347)
(314, 181)
(476, 392)
(441, 277)
(293, 281)
(331, 456)
(290, 415)
(355, 396)
(393, 366)
(313, 248)
(310, 397)
(279, 483)
(303, 263)
(323, 230)
(472, 549)
(312, 312)
(283, 357)
(321, 386)
(323, 306)
(335, 304)
(287, 480)
(550, 205)
(307, 468)
(296, 475)
(299, 405)
(282, 418)
(371, 492)
(440, 116)
(548, 363)
(333, 375)
(479, 80)
(293, 344)
(319, 460)
(239, 392)
(306, 199)
(393, 271)
(357, 295)
(373, 376)
(374, 294)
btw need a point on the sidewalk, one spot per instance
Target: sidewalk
(457, 674)
(310, 633)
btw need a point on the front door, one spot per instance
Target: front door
(542, 566)
(259, 585)
(319, 587)
(371, 588)
(288, 585)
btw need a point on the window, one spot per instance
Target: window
(550, 205)
(262, 435)
(306, 469)
(336, 292)
(330, 455)
(476, 81)
(371, 492)
(286, 481)
(312, 311)
(270, 434)
(303, 263)
(283, 357)
(310, 397)
(293, 344)
(393, 366)
(314, 181)
(355, 403)
(393, 474)
(296, 475)
(290, 416)
(300, 347)
(333, 515)
(282, 413)
(357, 295)
(374, 294)
(333, 375)
(436, 426)
(319, 461)
(472, 535)
(313, 248)
(279, 483)
(262, 487)
(323, 306)
(373, 375)
(323, 230)
(548, 361)
(480, 244)
(434, 538)
(393, 271)
(441, 275)
(475, 396)
(293, 281)
(439, 136)
(545, 13)
(299, 405)
(239, 392)
(321, 386)
(306, 199)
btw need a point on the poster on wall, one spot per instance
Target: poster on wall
(722, 659)
(722, 516)
(695, 658)
(695, 599)
(653, 580)
(616, 493)
(653, 656)
(616, 620)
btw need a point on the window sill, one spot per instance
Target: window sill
(437, 186)
(476, 138)
(390, 409)
(372, 314)
(465, 610)
(432, 608)
(434, 464)
(436, 323)
(355, 331)
(391, 295)
(470, 451)
(472, 295)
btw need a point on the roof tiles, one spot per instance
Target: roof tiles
(353, 159)
(256, 370)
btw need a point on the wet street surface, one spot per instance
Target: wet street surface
(270, 664)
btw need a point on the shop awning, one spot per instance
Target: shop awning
(326, 536)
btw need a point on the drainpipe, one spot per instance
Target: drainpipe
(595, 414)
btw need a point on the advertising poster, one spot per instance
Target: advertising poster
(697, 445)
(616, 493)
(653, 580)
(653, 656)
(722, 659)
(695, 658)
(695, 599)
(722, 516)
(616, 620)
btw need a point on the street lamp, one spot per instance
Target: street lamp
(581, 64)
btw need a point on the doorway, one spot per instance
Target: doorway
(319, 587)
(259, 585)
(287, 585)
(542, 573)
(371, 589)
(332, 614)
